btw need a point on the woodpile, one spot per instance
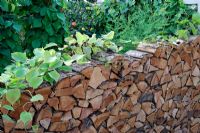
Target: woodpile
(149, 90)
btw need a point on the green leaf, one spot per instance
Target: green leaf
(17, 83)
(95, 50)
(8, 107)
(20, 72)
(183, 34)
(26, 117)
(78, 50)
(196, 18)
(2, 91)
(36, 43)
(54, 75)
(25, 2)
(17, 27)
(99, 42)
(61, 16)
(4, 5)
(93, 39)
(5, 77)
(56, 64)
(87, 50)
(70, 40)
(8, 23)
(49, 29)
(37, 23)
(35, 82)
(6, 117)
(39, 52)
(57, 25)
(44, 67)
(49, 57)
(43, 11)
(13, 95)
(67, 59)
(19, 57)
(12, 7)
(35, 128)
(37, 97)
(48, 79)
(65, 68)
(32, 74)
(81, 38)
(109, 36)
(194, 29)
(78, 57)
(50, 45)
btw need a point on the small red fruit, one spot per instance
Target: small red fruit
(61, 10)
(73, 24)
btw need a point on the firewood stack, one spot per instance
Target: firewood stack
(149, 90)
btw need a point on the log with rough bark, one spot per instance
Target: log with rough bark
(151, 89)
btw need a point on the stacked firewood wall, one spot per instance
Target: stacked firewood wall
(149, 90)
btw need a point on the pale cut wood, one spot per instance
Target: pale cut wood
(76, 112)
(92, 93)
(66, 103)
(97, 78)
(87, 72)
(141, 117)
(150, 48)
(196, 71)
(96, 102)
(159, 62)
(100, 118)
(136, 54)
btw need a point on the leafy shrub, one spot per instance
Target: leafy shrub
(29, 24)
(25, 25)
(46, 64)
(85, 17)
(135, 21)
(43, 66)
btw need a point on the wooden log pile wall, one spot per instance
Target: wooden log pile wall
(157, 92)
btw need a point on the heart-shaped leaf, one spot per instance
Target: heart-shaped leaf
(35, 82)
(36, 98)
(13, 95)
(54, 75)
(20, 57)
(109, 36)
(26, 117)
(81, 38)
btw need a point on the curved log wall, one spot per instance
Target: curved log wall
(156, 92)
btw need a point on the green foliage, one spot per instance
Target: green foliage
(46, 65)
(46, 62)
(85, 17)
(29, 24)
(83, 47)
(13, 95)
(6, 117)
(26, 117)
(35, 128)
(8, 107)
(36, 98)
(135, 21)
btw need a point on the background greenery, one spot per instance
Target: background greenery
(138, 20)
(29, 24)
